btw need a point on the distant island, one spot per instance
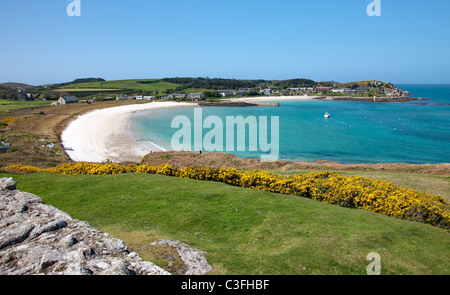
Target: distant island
(204, 89)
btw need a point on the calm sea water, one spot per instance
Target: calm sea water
(356, 132)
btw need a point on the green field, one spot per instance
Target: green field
(7, 105)
(87, 90)
(133, 85)
(244, 231)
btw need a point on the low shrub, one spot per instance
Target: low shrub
(352, 192)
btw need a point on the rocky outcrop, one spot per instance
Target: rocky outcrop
(237, 104)
(40, 239)
(375, 99)
(194, 259)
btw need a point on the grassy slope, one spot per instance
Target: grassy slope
(7, 105)
(244, 231)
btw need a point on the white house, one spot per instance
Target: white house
(196, 95)
(225, 93)
(179, 95)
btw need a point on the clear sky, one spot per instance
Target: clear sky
(242, 39)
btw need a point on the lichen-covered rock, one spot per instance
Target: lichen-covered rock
(193, 258)
(39, 239)
(7, 184)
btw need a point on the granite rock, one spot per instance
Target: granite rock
(40, 239)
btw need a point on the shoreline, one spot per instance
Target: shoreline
(377, 99)
(145, 144)
(101, 135)
(272, 98)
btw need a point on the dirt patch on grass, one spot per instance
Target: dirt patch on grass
(166, 257)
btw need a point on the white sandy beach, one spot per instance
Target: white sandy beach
(102, 134)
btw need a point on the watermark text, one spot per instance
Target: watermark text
(234, 138)
(374, 268)
(374, 8)
(74, 8)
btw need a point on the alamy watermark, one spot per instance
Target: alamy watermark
(374, 8)
(216, 140)
(374, 268)
(74, 8)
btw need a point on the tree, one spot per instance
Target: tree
(252, 93)
(354, 86)
(211, 94)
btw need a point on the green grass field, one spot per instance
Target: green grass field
(244, 231)
(7, 105)
(121, 85)
(88, 90)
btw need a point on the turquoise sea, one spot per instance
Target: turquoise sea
(356, 132)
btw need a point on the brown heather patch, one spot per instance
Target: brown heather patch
(39, 126)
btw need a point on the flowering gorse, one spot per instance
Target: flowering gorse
(352, 192)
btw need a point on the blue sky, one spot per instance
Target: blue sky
(245, 39)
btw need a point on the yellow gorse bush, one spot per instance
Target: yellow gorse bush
(7, 121)
(353, 192)
(23, 169)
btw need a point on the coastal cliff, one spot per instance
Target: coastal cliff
(40, 239)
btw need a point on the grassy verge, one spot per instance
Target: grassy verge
(243, 231)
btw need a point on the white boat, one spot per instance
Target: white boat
(327, 115)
